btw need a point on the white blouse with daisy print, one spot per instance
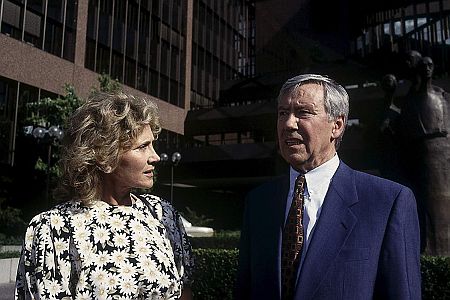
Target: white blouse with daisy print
(105, 252)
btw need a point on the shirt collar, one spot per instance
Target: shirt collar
(318, 179)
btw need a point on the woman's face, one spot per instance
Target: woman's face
(136, 166)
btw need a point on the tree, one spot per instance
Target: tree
(49, 112)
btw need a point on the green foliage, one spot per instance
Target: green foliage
(220, 240)
(56, 112)
(12, 225)
(216, 270)
(435, 277)
(196, 219)
(47, 112)
(214, 274)
(107, 84)
(9, 254)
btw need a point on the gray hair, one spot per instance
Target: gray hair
(336, 100)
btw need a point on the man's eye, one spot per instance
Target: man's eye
(302, 113)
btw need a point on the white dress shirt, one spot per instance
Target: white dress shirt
(317, 184)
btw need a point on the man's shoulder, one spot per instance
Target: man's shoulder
(271, 183)
(375, 184)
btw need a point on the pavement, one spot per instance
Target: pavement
(6, 291)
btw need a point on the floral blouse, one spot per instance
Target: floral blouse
(105, 252)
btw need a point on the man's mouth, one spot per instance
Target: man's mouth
(293, 142)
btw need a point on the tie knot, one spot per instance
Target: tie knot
(300, 183)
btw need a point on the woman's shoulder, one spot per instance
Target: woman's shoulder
(161, 206)
(56, 214)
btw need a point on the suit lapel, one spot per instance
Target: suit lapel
(335, 223)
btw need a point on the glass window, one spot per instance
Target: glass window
(154, 50)
(92, 19)
(117, 66)
(33, 29)
(8, 90)
(174, 93)
(102, 59)
(165, 48)
(104, 28)
(132, 27)
(154, 83)
(176, 8)
(174, 64)
(141, 79)
(12, 19)
(36, 6)
(69, 44)
(164, 88)
(71, 14)
(165, 11)
(55, 10)
(144, 37)
(119, 26)
(53, 37)
(90, 54)
(155, 7)
(130, 72)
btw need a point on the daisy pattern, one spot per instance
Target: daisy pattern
(120, 240)
(117, 223)
(57, 222)
(100, 234)
(80, 233)
(128, 286)
(118, 257)
(106, 252)
(99, 276)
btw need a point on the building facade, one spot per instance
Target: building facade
(175, 52)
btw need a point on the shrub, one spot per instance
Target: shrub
(216, 270)
(214, 274)
(9, 254)
(435, 277)
(214, 242)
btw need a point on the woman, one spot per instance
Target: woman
(103, 241)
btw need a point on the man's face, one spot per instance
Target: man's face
(305, 134)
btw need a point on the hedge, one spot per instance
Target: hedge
(214, 273)
(216, 270)
(435, 277)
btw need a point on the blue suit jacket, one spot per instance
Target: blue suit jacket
(365, 244)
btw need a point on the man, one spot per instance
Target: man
(358, 234)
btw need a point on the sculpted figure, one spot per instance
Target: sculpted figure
(425, 126)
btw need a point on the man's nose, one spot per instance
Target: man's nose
(292, 121)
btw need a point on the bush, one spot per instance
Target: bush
(435, 277)
(9, 254)
(221, 240)
(215, 271)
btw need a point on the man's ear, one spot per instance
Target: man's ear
(338, 127)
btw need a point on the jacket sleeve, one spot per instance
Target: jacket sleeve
(398, 274)
(44, 267)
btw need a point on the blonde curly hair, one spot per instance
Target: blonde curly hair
(97, 134)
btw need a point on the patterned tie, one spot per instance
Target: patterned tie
(292, 240)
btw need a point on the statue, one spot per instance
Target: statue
(388, 130)
(425, 121)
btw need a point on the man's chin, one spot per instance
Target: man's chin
(296, 160)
